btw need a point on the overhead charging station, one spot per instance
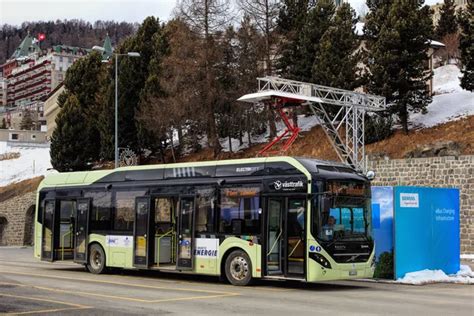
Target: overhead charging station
(344, 125)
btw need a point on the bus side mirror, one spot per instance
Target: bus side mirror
(370, 175)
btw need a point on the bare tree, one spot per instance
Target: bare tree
(207, 17)
(264, 14)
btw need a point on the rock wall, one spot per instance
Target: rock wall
(446, 172)
(16, 218)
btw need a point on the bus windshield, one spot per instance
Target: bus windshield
(344, 217)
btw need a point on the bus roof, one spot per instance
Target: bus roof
(306, 166)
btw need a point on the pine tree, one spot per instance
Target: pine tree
(466, 45)
(447, 22)
(317, 23)
(4, 123)
(26, 120)
(67, 142)
(398, 35)
(132, 75)
(291, 20)
(82, 81)
(302, 24)
(335, 62)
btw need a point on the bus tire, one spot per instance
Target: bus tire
(96, 260)
(238, 268)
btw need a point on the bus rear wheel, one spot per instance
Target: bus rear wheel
(96, 262)
(238, 268)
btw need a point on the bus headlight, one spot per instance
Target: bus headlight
(319, 258)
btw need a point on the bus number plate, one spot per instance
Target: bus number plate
(353, 272)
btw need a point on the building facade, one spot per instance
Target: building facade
(459, 4)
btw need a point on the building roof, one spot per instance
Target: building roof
(108, 49)
(27, 47)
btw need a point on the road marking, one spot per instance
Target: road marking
(193, 298)
(119, 283)
(74, 306)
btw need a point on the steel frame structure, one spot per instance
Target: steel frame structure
(350, 108)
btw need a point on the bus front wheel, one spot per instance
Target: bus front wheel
(238, 268)
(96, 262)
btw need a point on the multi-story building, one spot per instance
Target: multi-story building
(3, 91)
(38, 75)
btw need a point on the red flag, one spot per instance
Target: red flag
(41, 37)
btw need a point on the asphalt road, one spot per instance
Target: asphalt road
(28, 286)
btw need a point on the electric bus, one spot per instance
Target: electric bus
(271, 218)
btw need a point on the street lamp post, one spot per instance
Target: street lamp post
(129, 54)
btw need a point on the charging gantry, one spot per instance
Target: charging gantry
(348, 110)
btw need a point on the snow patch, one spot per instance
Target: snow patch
(33, 162)
(450, 101)
(463, 276)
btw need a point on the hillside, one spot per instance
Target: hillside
(448, 125)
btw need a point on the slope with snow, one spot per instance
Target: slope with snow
(450, 101)
(33, 162)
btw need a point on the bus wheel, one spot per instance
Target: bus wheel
(96, 262)
(238, 268)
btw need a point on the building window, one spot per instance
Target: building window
(60, 58)
(14, 136)
(33, 137)
(70, 60)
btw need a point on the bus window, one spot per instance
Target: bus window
(359, 220)
(125, 210)
(100, 217)
(205, 211)
(240, 211)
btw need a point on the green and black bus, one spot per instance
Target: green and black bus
(271, 218)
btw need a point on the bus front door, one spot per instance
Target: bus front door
(285, 237)
(142, 234)
(81, 228)
(48, 231)
(185, 253)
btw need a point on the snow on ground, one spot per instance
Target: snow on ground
(464, 276)
(33, 162)
(450, 101)
(306, 123)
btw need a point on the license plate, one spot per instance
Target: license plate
(353, 272)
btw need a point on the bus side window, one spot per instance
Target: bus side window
(240, 211)
(100, 216)
(205, 211)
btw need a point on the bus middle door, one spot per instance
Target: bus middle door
(143, 235)
(186, 214)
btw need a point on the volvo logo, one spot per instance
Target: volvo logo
(277, 185)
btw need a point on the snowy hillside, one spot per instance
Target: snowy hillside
(33, 162)
(450, 101)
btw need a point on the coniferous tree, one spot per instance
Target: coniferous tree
(67, 142)
(466, 46)
(398, 34)
(291, 20)
(447, 21)
(133, 73)
(335, 62)
(4, 123)
(82, 82)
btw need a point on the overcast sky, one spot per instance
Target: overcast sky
(17, 11)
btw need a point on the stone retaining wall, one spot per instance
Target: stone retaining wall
(16, 220)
